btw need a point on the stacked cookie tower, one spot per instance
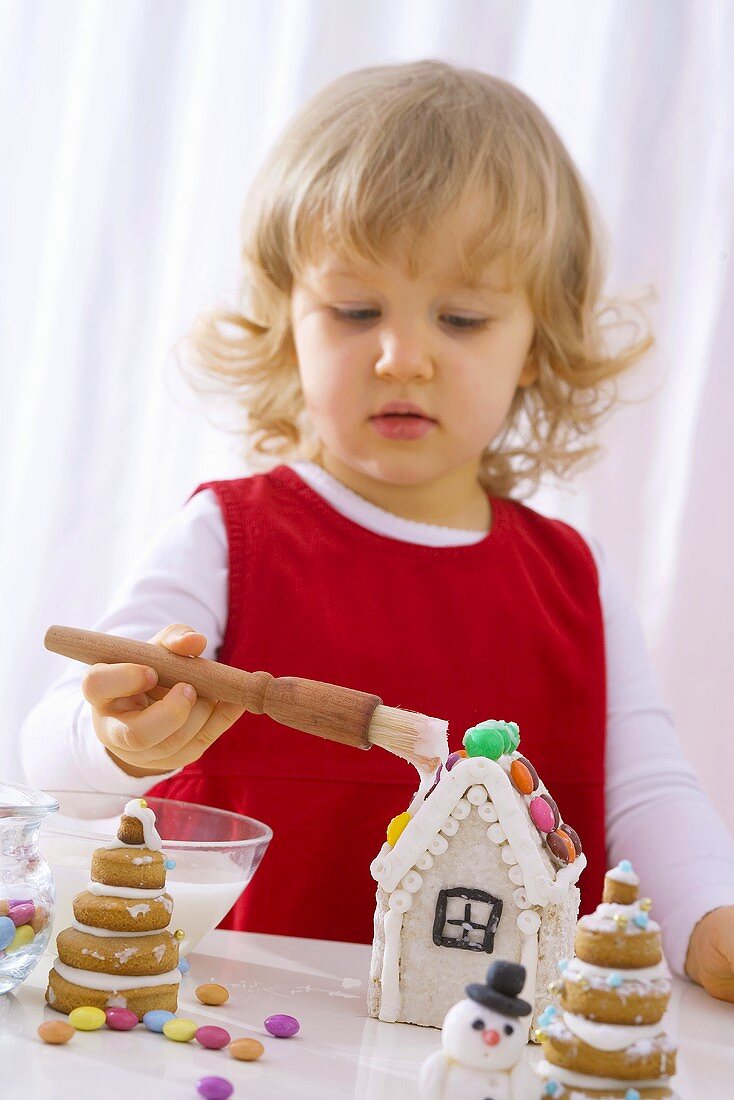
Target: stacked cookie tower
(608, 1041)
(118, 952)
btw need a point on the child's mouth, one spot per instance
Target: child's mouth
(402, 425)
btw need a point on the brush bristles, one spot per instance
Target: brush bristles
(415, 737)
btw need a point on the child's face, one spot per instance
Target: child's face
(370, 336)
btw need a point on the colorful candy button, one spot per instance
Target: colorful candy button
(86, 1018)
(246, 1050)
(214, 1088)
(625, 866)
(570, 847)
(213, 1038)
(575, 840)
(485, 740)
(212, 994)
(632, 1094)
(521, 777)
(180, 1029)
(554, 808)
(55, 1031)
(541, 814)
(169, 864)
(184, 965)
(156, 1018)
(559, 846)
(396, 828)
(454, 758)
(614, 980)
(7, 932)
(641, 920)
(22, 912)
(282, 1026)
(23, 936)
(121, 1019)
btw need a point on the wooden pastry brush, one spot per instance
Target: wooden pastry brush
(341, 714)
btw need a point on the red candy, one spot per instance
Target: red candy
(120, 1019)
(213, 1038)
(541, 814)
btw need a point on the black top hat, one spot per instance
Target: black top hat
(504, 982)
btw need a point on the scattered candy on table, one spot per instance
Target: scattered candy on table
(212, 994)
(246, 1050)
(214, 1088)
(156, 1018)
(55, 1031)
(86, 1018)
(180, 1029)
(213, 1038)
(121, 1019)
(282, 1026)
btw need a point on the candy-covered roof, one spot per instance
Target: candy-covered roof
(543, 855)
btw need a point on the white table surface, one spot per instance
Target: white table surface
(338, 1053)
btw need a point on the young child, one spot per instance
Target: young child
(419, 337)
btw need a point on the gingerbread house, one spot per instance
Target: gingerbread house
(480, 867)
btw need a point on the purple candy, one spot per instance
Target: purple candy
(451, 759)
(20, 901)
(214, 1088)
(120, 1019)
(22, 912)
(214, 1038)
(282, 1026)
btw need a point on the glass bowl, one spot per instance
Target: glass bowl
(26, 885)
(216, 853)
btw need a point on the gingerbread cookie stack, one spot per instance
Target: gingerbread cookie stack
(118, 952)
(607, 1041)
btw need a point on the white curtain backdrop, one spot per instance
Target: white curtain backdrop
(129, 135)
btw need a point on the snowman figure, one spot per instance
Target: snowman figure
(482, 1043)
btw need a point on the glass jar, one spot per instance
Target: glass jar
(26, 884)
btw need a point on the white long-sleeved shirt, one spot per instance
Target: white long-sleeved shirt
(657, 813)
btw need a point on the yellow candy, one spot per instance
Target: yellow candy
(646, 905)
(396, 827)
(143, 803)
(180, 1030)
(86, 1018)
(23, 936)
(620, 920)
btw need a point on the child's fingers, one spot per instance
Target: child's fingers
(102, 684)
(181, 639)
(208, 721)
(137, 731)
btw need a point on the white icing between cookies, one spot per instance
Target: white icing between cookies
(618, 875)
(89, 979)
(594, 974)
(586, 1081)
(101, 889)
(105, 933)
(610, 1037)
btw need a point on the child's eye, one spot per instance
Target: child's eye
(356, 314)
(472, 324)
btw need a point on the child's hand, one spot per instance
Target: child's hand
(148, 729)
(710, 958)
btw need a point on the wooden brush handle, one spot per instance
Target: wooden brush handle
(326, 710)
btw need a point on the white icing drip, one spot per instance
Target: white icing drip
(602, 919)
(390, 978)
(146, 817)
(90, 930)
(114, 982)
(159, 951)
(586, 1081)
(126, 954)
(623, 876)
(101, 889)
(94, 954)
(610, 1037)
(142, 859)
(136, 911)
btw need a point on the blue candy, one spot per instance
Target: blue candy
(632, 1094)
(551, 1088)
(184, 966)
(7, 932)
(156, 1018)
(625, 866)
(562, 965)
(641, 920)
(169, 864)
(614, 980)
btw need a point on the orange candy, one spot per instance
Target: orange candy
(55, 1031)
(522, 778)
(569, 844)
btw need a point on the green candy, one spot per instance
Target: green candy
(492, 739)
(479, 741)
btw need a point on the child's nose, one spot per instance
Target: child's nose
(491, 1037)
(404, 358)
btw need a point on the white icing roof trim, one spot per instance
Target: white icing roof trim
(541, 887)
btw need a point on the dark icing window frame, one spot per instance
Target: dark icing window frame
(468, 895)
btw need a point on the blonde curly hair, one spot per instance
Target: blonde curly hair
(382, 153)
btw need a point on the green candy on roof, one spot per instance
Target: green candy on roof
(492, 739)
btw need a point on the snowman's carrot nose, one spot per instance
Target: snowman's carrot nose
(491, 1037)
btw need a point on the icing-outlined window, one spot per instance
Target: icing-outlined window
(467, 919)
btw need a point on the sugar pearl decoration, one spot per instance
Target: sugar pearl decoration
(620, 920)
(179, 934)
(646, 905)
(143, 804)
